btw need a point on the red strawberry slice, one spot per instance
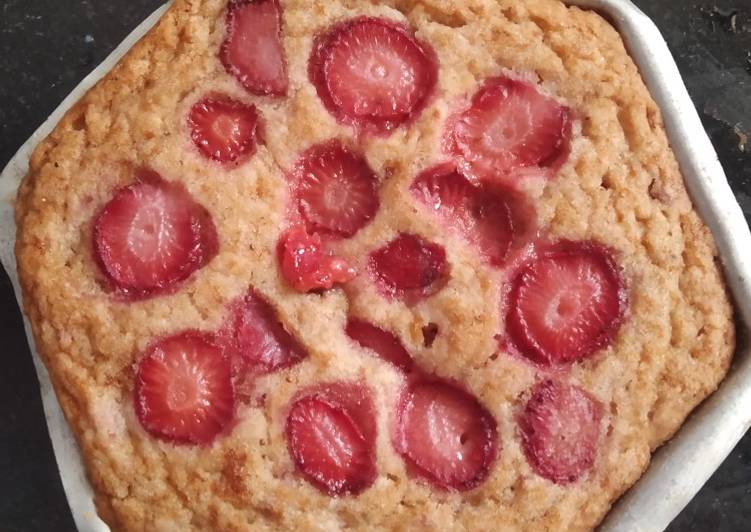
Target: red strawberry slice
(560, 428)
(183, 389)
(566, 303)
(331, 437)
(224, 129)
(492, 217)
(446, 435)
(252, 51)
(409, 267)
(261, 342)
(384, 344)
(372, 73)
(306, 266)
(495, 227)
(152, 235)
(448, 194)
(509, 126)
(335, 189)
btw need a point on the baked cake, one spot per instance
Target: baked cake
(338, 264)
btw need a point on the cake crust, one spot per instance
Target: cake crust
(621, 186)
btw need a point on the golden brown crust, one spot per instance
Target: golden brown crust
(621, 186)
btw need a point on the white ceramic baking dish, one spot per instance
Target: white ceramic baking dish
(675, 474)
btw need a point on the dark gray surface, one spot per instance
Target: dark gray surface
(47, 46)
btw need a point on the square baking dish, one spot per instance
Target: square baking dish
(711, 432)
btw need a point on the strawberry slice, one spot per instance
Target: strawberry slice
(372, 73)
(448, 194)
(445, 435)
(509, 126)
(306, 266)
(252, 51)
(409, 267)
(495, 226)
(259, 339)
(224, 129)
(331, 437)
(384, 344)
(490, 216)
(560, 427)
(335, 189)
(183, 389)
(566, 303)
(152, 235)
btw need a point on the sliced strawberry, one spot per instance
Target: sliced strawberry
(560, 427)
(372, 73)
(306, 266)
(449, 195)
(446, 435)
(383, 343)
(261, 342)
(335, 189)
(183, 389)
(495, 227)
(509, 127)
(409, 267)
(491, 216)
(331, 437)
(152, 235)
(566, 303)
(224, 129)
(252, 51)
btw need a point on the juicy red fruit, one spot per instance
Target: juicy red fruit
(560, 427)
(335, 190)
(372, 73)
(331, 438)
(447, 194)
(491, 217)
(252, 51)
(509, 126)
(409, 267)
(152, 235)
(383, 343)
(566, 303)
(223, 129)
(446, 435)
(259, 340)
(183, 389)
(307, 266)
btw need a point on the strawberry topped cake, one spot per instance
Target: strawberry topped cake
(323, 265)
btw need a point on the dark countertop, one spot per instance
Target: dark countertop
(48, 46)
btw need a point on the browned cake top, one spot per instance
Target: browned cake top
(341, 264)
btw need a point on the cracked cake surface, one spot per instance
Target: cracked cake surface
(413, 319)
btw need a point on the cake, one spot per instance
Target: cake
(360, 265)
